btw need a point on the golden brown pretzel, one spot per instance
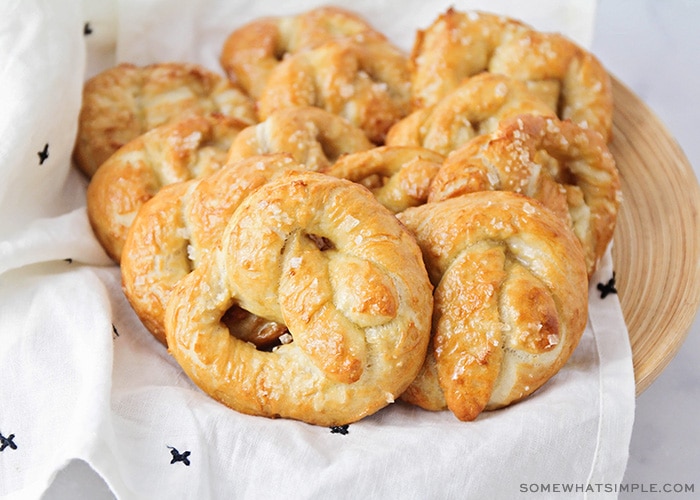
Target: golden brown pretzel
(188, 148)
(321, 255)
(566, 167)
(511, 298)
(362, 78)
(398, 176)
(252, 51)
(473, 108)
(462, 44)
(311, 135)
(125, 101)
(179, 228)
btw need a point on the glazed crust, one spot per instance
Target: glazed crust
(322, 256)
(511, 297)
(125, 101)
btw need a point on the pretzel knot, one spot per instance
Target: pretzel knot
(323, 257)
(188, 148)
(510, 299)
(179, 228)
(473, 108)
(252, 51)
(362, 78)
(313, 136)
(125, 101)
(398, 176)
(568, 168)
(461, 44)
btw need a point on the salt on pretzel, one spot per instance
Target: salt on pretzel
(566, 167)
(398, 176)
(123, 102)
(179, 228)
(191, 147)
(362, 78)
(313, 136)
(475, 107)
(461, 44)
(252, 51)
(511, 296)
(322, 256)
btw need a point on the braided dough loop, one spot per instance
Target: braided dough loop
(473, 108)
(313, 136)
(511, 296)
(125, 101)
(179, 228)
(362, 78)
(252, 51)
(191, 147)
(398, 176)
(321, 255)
(566, 167)
(461, 44)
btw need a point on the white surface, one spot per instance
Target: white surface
(651, 46)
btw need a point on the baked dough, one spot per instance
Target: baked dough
(188, 148)
(461, 44)
(362, 78)
(566, 167)
(179, 228)
(322, 256)
(252, 51)
(511, 297)
(313, 136)
(398, 176)
(125, 101)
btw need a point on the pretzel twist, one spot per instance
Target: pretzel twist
(322, 256)
(510, 300)
(461, 44)
(566, 167)
(125, 101)
(192, 147)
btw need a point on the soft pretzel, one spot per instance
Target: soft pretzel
(313, 136)
(398, 176)
(461, 44)
(473, 108)
(125, 101)
(179, 228)
(188, 148)
(252, 51)
(510, 296)
(362, 78)
(566, 167)
(322, 256)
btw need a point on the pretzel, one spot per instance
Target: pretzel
(398, 176)
(511, 296)
(461, 44)
(313, 136)
(252, 51)
(189, 148)
(362, 78)
(322, 256)
(566, 167)
(179, 228)
(473, 108)
(125, 101)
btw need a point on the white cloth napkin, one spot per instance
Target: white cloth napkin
(82, 379)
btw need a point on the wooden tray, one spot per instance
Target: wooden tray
(656, 247)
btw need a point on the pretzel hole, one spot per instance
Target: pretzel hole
(321, 242)
(264, 334)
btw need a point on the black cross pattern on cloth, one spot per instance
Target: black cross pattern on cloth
(115, 333)
(7, 442)
(87, 29)
(179, 457)
(43, 154)
(606, 289)
(340, 429)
